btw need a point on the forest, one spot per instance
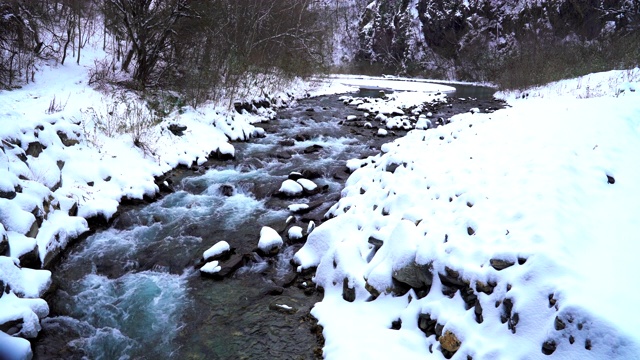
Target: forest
(216, 49)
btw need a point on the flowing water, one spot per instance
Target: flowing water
(131, 291)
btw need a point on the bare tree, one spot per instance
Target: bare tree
(148, 26)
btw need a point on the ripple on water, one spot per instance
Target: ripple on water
(135, 316)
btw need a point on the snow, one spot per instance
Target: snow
(14, 348)
(307, 184)
(217, 249)
(19, 244)
(295, 233)
(24, 281)
(269, 238)
(548, 185)
(291, 188)
(211, 267)
(297, 207)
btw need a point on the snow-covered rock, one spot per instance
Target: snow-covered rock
(294, 208)
(211, 267)
(218, 250)
(270, 241)
(295, 233)
(423, 123)
(291, 188)
(308, 186)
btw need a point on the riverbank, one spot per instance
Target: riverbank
(496, 236)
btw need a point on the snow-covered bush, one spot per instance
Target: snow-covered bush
(121, 115)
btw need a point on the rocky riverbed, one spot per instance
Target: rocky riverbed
(134, 289)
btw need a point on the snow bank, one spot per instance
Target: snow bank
(608, 83)
(504, 235)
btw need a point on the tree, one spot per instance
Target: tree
(148, 26)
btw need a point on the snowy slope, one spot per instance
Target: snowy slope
(509, 235)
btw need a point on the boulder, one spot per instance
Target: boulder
(549, 347)
(227, 268)
(177, 129)
(287, 142)
(68, 140)
(311, 174)
(290, 188)
(11, 194)
(452, 278)
(450, 342)
(295, 176)
(308, 186)
(270, 241)
(416, 275)
(31, 259)
(427, 324)
(34, 149)
(284, 155)
(221, 250)
(500, 264)
(313, 149)
(4, 242)
(348, 292)
(226, 190)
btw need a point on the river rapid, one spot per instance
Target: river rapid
(133, 291)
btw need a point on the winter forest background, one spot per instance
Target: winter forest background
(213, 49)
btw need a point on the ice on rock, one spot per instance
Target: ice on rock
(351, 117)
(219, 248)
(269, 239)
(291, 188)
(382, 132)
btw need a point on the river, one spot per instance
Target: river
(132, 291)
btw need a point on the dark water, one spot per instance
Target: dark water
(472, 91)
(461, 91)
(132, 292)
